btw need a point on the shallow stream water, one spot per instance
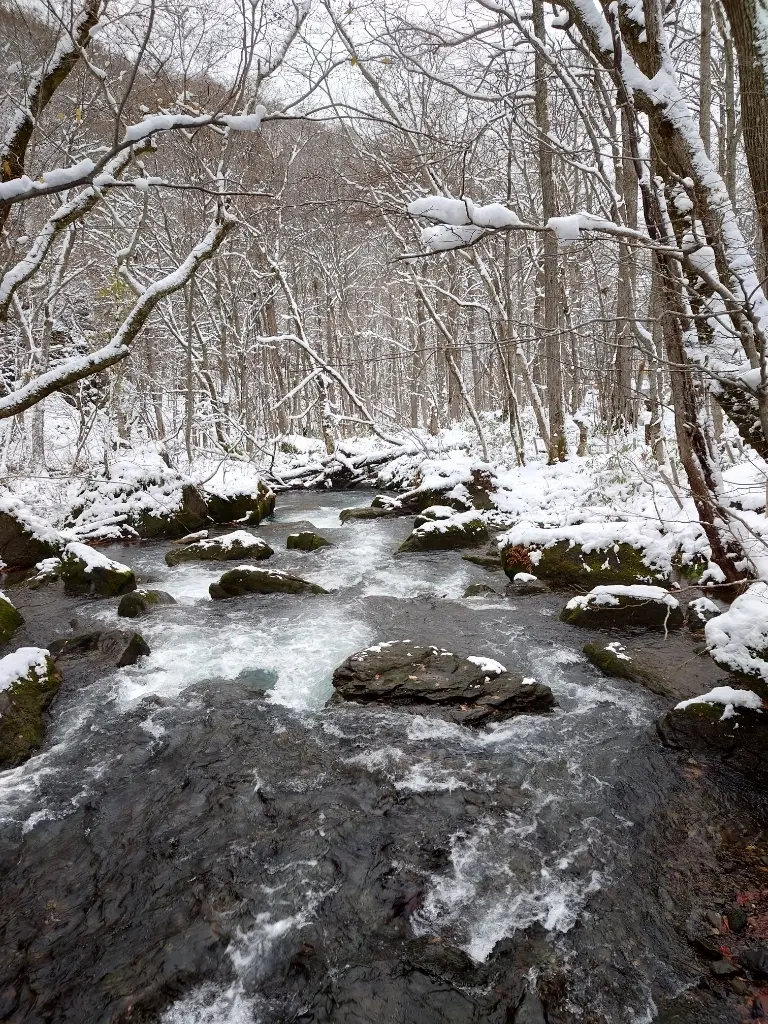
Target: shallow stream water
(203, 841)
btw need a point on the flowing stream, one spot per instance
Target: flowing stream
(204, 841)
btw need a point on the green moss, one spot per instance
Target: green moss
(22, 707)
(10, 620)
(207, 551)
(100, 581)
(565, 564)
(622, 668)
(366, 512)
(628, 611)
(238, 582)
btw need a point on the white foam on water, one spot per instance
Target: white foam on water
(209, 1005)
(301, 648)
(408, 578)
(427, 777)
(323, 517)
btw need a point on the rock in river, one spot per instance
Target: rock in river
(464, 530)
(470, 691)
(86, 571)
(141, 602)
(28, 683)
(114, 646)
(247, 580)
(306, 541)
(229, 546)
(640, 605)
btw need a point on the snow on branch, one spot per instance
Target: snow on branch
(119, 346)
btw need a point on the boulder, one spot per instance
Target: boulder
(720, 727)
(738, 638)
(469, 691)
(306, 541)
(115, 647)
(228, 547)
(249, 505)
(464, 530)
(10, 619)
(434, 514)
(366, 512)
(25, 539)
(29, 681)
(566, 563)
(150, 500)
(141, 602)
(247, 580)
(602, 607)
(86, 571)
(47, 572)
(613, 660)
(191, 514)
(190, 538)
(524, 584)
(700, 611)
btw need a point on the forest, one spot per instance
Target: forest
(458, 311)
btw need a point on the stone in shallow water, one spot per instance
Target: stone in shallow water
(610, 606)
(306, 541)
(463, 530)
(228, 547)
(10, 619)
(86, 571)
(421, 678)
(115, 646)
(141, 602)
(29, 681)
(247, 580)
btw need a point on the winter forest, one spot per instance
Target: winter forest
(457, 310)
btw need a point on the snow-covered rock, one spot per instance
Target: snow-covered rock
(25, 538)
(28, 683)
(143, 498)
(738, 639)
(700, 611)
(239, 500)
(86, 571)
(617, 605)
(227, 547)
(585, 553)
(462, 530)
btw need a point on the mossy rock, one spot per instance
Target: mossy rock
(19, 547)
(23, 704)
(612, 663)
(141, 602)
(243, 580)
(231, 547)
(449, 536)
(594, 612)
(110, 580)
(193, 515)
(250, 508)
(415, 502)
(10, 619)
(565, 564)
(306, 541)
(365, 512)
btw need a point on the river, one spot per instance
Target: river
(203, 841)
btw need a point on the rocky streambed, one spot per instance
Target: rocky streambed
(204, 839)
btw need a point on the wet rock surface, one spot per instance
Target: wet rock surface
(306, 541)
(115, 647)
(611, 607)
(243, 580)
(423, 679)
(141, 602)
(25, 695)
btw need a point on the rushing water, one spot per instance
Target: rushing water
(187, 851)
